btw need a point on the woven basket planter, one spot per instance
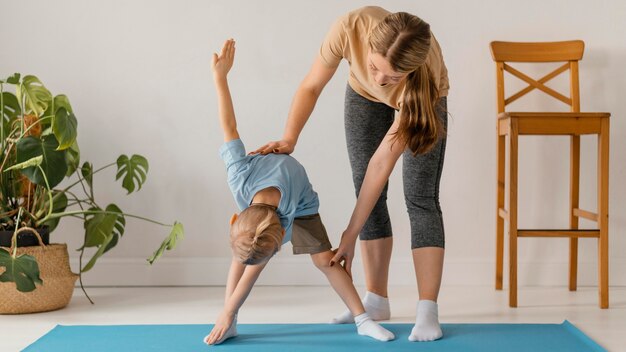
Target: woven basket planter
(58, 282)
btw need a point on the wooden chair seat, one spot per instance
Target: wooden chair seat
(553, 123)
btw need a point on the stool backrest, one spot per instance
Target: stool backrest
(569, 52)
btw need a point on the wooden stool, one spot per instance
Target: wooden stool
(574, 124)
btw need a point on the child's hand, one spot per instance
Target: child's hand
(222, 329)
(223, 63)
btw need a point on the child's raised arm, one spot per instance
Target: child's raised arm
(221, 65)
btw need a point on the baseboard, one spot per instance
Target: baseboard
(200, 271)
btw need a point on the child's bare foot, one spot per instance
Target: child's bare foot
(225, 327)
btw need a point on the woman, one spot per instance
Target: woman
(395, 65)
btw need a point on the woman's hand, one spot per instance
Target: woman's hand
(276, 147)
(223, 323)
(345, 252)
(223, 62)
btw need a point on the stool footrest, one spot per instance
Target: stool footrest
(559, 233)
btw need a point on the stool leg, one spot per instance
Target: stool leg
(501, 160)
(512, 191)
(603, 213)
(574, 204)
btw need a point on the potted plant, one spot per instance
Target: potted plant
(39, 150)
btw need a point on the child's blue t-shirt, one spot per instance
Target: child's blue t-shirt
(248, 174)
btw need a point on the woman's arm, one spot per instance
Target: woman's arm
(221, 65)
(378, 171)
(301, 108)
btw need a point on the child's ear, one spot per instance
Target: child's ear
(233, 219)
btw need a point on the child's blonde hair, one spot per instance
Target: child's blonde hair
(256, 235)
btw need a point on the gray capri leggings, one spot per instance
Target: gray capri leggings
(366, 124)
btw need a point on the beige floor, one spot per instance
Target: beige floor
(198, 305)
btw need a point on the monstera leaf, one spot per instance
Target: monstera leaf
(177, 234)
(103, 231)
(133, 170)
(14, 78)
(53, 163)
(23, 270)
(64, 127)
(64, 123)
(10, 111)
(38, 98)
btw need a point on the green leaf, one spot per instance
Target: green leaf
(103, 231)
(72, 159)
(97, 255)
(98, 227)
(28, 163)
(22, 270)
(53, 162)
(170, 242)
(87, 171)
(58, 206)
(133, 170)
(11, 109)
(14, 79)
(38, 98)
(65, 128)
(62, 101)
(118, 228)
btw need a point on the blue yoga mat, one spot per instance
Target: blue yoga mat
(313, 337)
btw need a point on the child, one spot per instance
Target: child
(276, 200)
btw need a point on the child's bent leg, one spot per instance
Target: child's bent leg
(340, 281)
(342, 284)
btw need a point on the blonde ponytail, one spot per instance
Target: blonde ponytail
(404, 40)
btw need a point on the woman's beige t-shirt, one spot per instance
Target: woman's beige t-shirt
(348, 39)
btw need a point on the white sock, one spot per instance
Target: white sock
(427, 326)
(367, 327)
(231, 332)
(376, 306)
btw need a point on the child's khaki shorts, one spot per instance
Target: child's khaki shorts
(309, 235)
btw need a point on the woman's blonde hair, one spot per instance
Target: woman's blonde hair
(256, 235)
(404, 40)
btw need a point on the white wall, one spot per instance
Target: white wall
(138, 76)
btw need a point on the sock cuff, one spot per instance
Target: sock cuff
(375, 299)
(427, 305)
(361, 318)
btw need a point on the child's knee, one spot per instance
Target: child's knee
(322, 260)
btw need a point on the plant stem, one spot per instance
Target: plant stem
(6, 156)
(100, 169)
(14, 238)
(69, 213)
(90, 194)
(49, 192)
(80, 274)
